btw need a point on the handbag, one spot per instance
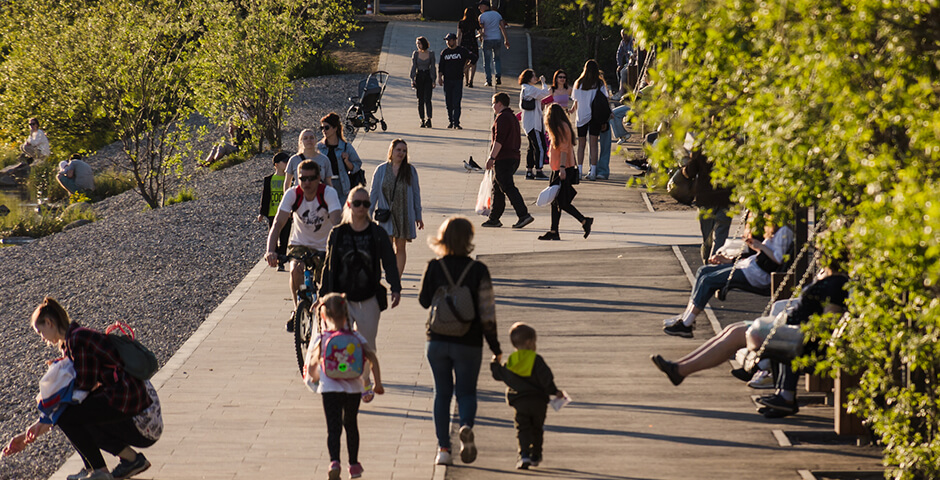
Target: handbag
(357, 178)
(382, 215)
(527, 104)
(680, 188)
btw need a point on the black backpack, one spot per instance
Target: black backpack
(600, 109)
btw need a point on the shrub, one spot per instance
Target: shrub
(42, 182)
(8, 156)
(184, 195)
(232, 159)
(110, 183)
(24, 222)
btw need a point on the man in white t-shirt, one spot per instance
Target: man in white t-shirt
(314, 216)
(494, 31)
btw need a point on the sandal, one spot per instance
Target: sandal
(368, 395)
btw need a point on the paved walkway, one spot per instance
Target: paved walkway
(235, 406)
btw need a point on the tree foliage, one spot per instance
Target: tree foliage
(250, 49)
(831, 104)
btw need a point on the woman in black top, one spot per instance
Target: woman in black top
(467, 29)
(455, 361)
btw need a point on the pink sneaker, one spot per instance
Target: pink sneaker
(335, 469)
(355, 470)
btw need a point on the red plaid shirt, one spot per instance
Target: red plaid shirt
(98, 362)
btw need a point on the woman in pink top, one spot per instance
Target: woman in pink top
(564, 170)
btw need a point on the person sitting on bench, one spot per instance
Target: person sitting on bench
(749, 273)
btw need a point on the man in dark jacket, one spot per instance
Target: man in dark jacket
(504, 158)
(713, 204)
(454, 59)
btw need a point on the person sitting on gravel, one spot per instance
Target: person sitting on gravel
(752, 271)
(107, 417)
(824, 296)
(238, 137)
(315, 209)
(76, 175)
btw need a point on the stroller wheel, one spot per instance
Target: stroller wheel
(384, 126)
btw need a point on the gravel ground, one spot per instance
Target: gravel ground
(163, 271)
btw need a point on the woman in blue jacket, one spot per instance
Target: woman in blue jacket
(395, 190)
(344, 161)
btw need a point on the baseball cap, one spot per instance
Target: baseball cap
(450, 36)
(484, 2)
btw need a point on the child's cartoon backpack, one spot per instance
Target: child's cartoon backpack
(342, 354)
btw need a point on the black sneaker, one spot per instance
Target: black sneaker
(529, 176)
(457, 126)
(524, 463)
(499, 80)
(541, 175)
(550, 236)
(678, 330)
(488, 84)
(523, 221)
(777, 402)
(492, 224)
(127, 469)
(588, 221)
(427, 124)
(669, 368)
(450, 125)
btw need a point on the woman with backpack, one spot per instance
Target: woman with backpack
(530, 102)
(113, 398)
(345, 164)
(356, 252)
(396, 197)
(583, 94)
(455, 348)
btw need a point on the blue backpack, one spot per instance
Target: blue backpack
(342, 353)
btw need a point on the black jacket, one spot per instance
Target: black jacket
(540, 383)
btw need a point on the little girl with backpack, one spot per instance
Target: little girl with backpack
(335, 359)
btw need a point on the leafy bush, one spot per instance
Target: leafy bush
(184, 195)
(42, 182)
(110, 183)
(232, 159)
(8, 156)
(25, 222)
(78, 197)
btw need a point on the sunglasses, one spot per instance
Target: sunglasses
(361, 203)
(309, 178)
(561, 77)
(325, 127)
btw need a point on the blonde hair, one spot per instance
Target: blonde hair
(300, 139)
(347, 207)
(455, 237)
(334, 306)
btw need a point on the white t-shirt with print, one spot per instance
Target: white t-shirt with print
(584, 99)
(312, 224)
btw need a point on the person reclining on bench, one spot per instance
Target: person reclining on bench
(824, 296)
(747, 273)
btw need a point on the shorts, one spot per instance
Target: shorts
(595, 130)
(300, 251)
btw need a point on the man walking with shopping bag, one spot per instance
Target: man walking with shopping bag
(504, 160)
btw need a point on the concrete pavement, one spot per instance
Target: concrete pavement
(235, 407)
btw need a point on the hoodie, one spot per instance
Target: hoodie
(527, 376)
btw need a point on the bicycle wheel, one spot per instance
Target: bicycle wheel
(303, 330)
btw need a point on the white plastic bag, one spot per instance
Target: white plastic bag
(548, 195)
(485, 196)
(311, 361)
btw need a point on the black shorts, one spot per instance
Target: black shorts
(592, 127)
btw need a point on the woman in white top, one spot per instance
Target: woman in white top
(531, 96)
(585, 87)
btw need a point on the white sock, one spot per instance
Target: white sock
(688, 318)
(593, 170)
(579, 169)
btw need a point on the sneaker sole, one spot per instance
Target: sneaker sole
(143, 468)
(468, 450)
(678, 334)
(335, 474)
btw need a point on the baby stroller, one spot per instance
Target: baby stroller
(361, 114)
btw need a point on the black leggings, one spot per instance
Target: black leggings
(536, 151)
(424, 85)
(563, 204)
(83, 423)
(342, 410)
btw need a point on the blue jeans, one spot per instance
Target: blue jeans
(711, 278)
(616, 123)
(603, 156)
(715, 225)
(449, 360)
(491, 52)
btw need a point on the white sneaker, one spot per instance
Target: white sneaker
(762, 380)
(443, 458)
(671, 320)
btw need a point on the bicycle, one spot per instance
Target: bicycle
(307, 297)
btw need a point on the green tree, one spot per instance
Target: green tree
(133, 80)
(249, 50)
(831, 104)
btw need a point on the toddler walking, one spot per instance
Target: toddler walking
(530, 383)
(335, 359)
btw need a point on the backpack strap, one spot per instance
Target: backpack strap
(466, 270)
(463, 274)
(300, 196)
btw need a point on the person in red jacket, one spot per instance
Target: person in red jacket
(504, 158)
